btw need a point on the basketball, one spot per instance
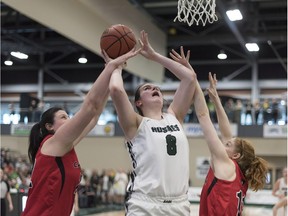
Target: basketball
(117, 40)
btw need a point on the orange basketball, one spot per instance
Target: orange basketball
(117, 40)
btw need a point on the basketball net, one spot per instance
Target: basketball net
(196, 11)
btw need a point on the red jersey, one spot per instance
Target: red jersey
(223, 198)
(54, 182)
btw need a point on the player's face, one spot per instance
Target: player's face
(151, 92)
(230, 147)
(60, 118)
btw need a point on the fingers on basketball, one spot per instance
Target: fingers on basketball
(117, 40)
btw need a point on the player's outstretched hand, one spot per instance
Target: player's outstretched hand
(146, 49)
(182, 59)
(121, 60)
(212, 91)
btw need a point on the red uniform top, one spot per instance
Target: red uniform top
(54, 182)
(223, 198)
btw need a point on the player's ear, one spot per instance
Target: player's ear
(138, 103)
(236, 156)
(49, 126)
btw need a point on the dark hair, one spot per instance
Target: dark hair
(39, 132)
(137, 97)
(253, 167)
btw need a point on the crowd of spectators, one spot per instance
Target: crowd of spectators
(96, 188)
(244, 112)
(102, 188)
(17, 170)
(239, 111)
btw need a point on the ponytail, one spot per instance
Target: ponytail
(254, 168)
(256, 174)
(39, 132)
(35, 139)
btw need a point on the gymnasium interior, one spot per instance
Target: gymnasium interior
(53, 35)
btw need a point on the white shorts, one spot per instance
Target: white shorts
(143, 205)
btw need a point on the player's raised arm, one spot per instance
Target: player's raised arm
(223, 121)
(184, 93)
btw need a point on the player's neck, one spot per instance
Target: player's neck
(154, 115)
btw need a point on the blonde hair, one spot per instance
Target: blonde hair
(253, 167)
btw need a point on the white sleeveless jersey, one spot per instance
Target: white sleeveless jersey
(160, 158)
(283, 187)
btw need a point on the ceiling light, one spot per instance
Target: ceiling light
(172, 31)
(234, 15)
(82, 59)
(252, 47)
(8, 62)
(222, 55)
(19, 55)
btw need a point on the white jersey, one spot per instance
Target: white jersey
(283, 187)
(160, 158)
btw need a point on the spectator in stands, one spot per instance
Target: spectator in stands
(33, 109)
(24, 185)
(12, 112)
(111, 192)
(257, 110)
(11, 107)
(212, 111)
(56, 169)
(75, 209)
(275, 110)
(24, 104)
(238, 111)
(229, 109)
(248, 112)
(2, 158)
(266, 111)
(120, 184)
(191, 116)
(280, 191)
(285, 111)
(90, 194)
(95, 184)
(39, 110)
(105, 187)
(82, 197)
(5, 194)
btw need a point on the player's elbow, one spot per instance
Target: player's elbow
(203, 115)
(115, 91)
(191, 78)
(193, 75)
(189, 71)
